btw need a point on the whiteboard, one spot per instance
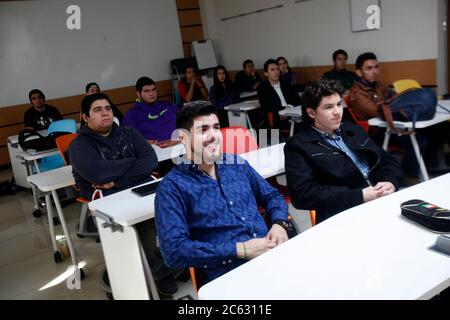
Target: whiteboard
(205, 55)
(119, 42)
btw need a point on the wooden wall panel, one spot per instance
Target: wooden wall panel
(6, 132)
(189, 34)
(189, 17)
(187, 4)
(4, 156)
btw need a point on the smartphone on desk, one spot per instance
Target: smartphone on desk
(146, 190)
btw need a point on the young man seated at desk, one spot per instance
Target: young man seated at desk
(274, 95)
(192, 87)
(367, 97)
(40, 115)
(248, 79)
(110, 158)
(155, 119)
(331, 167)
(206, 208)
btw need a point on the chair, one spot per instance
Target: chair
(405, 84)
(56, 161)
(362, 123)
(86, 227)
(238, 140)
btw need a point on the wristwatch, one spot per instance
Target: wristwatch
(283, 223)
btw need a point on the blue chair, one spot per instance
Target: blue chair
(56, 161)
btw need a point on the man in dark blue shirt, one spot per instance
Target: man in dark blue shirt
(207, 207)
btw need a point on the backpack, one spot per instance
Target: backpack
(415, 105)
(30, 139)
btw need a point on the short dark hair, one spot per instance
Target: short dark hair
(190, 66)
(282, 58)
(142, 82)
(314, 93)
(246, 62)
(87, 101)
(36, 91)
(269, 62)
(187, 115)
(363, 58)
(338, 52)
(90, 84)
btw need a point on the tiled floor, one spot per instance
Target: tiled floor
(27, 268)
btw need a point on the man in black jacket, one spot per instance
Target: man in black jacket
(111, 158)
(274, 95)
(331, 167)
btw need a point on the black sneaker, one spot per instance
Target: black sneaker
(167, 286)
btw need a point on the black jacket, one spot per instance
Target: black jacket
(270, 101)
(321, 177)
(124, 156)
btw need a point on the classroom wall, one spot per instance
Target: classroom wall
(308, 32)
(118, 42)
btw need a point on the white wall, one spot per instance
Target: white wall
(307, 33)
(119, 41)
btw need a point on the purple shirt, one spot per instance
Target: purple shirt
(155, 122)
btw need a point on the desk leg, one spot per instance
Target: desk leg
(423, 169)
(37, 209)
(48, 203)
(124, 260)
(249, 126)
(73, 254)
(291, 132)
(387, 136)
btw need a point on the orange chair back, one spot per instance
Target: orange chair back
(238, 140)
(63, 143)
(362, 123)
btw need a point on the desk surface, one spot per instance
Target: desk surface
(440, 116)
(244, 106)
(169, 152)
(248, 94)
(53, 179)
(127, 209)
(367, 252)
(294, 112)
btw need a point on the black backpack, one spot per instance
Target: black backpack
(30, 139)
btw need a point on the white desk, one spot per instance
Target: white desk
(48, 182)
(169, 152)
(367, 252)
(249, 94)
(129, 275)
(295, 114)
(238, 114)
(439, 117)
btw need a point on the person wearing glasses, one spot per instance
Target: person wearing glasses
(155, 119)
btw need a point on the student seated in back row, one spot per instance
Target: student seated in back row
(339, 73)
(40, 115)
(206, 208)
(274, 95)
(192, 87)
(110, 158)
(330, 166)
(93, 87)
(155, 119)
(247, 80)
(223, 93)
